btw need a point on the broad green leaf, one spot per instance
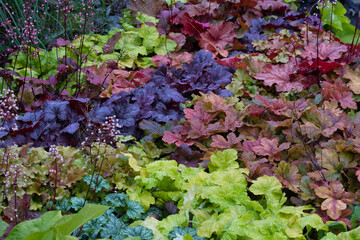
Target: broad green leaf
(142, 18)
(134, 209)
(337, 12)
(313, 221)
(223, 160)
(3, 226)
(41, 224)
(132, 162)
(271, 188)
(351, 235)
(209, 226)
(69, 223)
(150, 35)
(168, 223)
(164, 46)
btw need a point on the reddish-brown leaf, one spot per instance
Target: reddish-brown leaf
(338, 92)
(178, 136)
(325, 51)
(268, 147)
(336, 199)
(231, 141)
(280, 75)
(217, 37)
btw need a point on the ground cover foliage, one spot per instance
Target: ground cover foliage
(192, 120)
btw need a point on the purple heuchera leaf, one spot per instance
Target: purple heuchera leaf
(99, 113)
(72, 128)
(56, 109)
(127, 114)
(168, 95)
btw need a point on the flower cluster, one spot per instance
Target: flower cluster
(15, 177)
(25, 31)
(103, 132)
(8, 108)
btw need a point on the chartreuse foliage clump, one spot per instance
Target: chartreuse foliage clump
(130, 48)
(218, 203)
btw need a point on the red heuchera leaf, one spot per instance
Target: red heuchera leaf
(97, 75)
(203, 8)
(233, 120)
(217, 37)
(274, 5)
(338, 92)
(178, 136)
(178, 38)
(231, 142)
(191, 26)
(342, 217)
(231, 61)
(266, 147)
(275, 105)
(175, 59)
(198, 113)
(327, 51)
(324, 67)
(336, 199)
(280, 75)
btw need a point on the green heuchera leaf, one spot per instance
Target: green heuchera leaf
(168, 223)
(184, 233)
(150, 35)
(113, 229)
(77, 203)
(313, 221)
(102, 183)
(134, 209)
(139, 231)
(351, 235)
(142, 18)
(63, 205)
(165, 45)
(223, 160)
(271, 188)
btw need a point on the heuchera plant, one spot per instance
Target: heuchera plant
(238, 119)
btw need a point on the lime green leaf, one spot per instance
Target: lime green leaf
(271, 188)
(223, 160)
(175, 220)
(150, 35)
(209, 226)
(142, 18)
(144, 197)
(351, 235)
(314, 221)
(164, 46)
